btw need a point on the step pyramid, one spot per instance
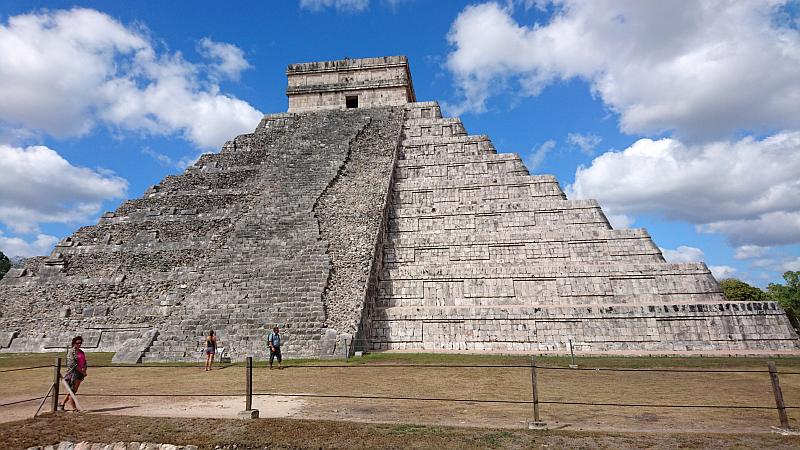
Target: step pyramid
(363, 219)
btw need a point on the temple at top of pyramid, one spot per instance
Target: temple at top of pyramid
(350, 83)
(364, 220)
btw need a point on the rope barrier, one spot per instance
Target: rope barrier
(440, 399)
(429, 399)
(598, 369)
(21, 401)
(444, 366)
(26, 368)
(95, 394)
(168, 366)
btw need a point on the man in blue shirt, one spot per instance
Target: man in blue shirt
(274, 341)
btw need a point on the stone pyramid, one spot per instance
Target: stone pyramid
(362, 219)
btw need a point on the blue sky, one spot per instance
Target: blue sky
(685, 121)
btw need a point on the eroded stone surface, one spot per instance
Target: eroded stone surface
(233, 245)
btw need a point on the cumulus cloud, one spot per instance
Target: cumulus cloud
(228, 59)
(620, 221)
(15, 246)
(704, 69)
(585, 142)
(750, 251)
(683, 254)
(722, 272)
(38, 185)
(792, 264)
(63, 72)
(748, 189)
(774, 228)
(538, 154)
(167, 161)
(339, 5)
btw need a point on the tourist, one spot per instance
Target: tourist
(211, 349)
(274, 341)
(76, 370)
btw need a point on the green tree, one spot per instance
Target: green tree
(738, 290)
(5, 264)
(788, 296)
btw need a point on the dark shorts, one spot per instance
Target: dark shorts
(274, 354)
(72, 378)
(210, 350)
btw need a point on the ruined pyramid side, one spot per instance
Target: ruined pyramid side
(118, 279)
(243, 240)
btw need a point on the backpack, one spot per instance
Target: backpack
(271, 340)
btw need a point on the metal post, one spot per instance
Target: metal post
(249, 399)
(776, 389)
(249, 412)
(56, 383)
(572, 354)
(534, 389)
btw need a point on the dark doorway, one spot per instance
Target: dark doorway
(351, 101)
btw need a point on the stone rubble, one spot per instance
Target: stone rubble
(67, 445)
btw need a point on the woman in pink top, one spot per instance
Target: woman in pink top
(76, 369)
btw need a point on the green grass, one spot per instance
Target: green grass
(495, 440)
(11, 360)
(405, 430)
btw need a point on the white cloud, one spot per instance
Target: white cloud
(538, 154)
(765, 263)
(620, 221)
(750, 251)
(63, 72)
(38, 185)
(777, 263)
(14, 246)
(339, 5)
(585, 142)
(722, 272)
(704, 69)
(793, 265)
(748, 190)
(162, 159)
(773, 228)
(228, 59)
(683, 254)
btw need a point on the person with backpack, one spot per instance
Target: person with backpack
(274, 341)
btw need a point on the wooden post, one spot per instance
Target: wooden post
(776, 389)
(249, 399)
(535, 390)
(56, 383)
